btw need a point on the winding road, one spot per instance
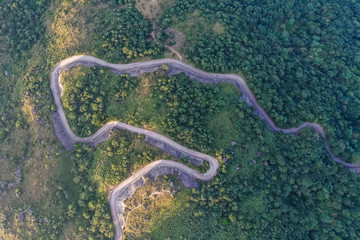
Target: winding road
(128, 187)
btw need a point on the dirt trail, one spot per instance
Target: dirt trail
(174, 51)
(128, 187)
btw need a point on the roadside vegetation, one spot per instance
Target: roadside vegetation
(94, 173)
(36, 173)
(300, 60)
(265, 181)
(177, 106)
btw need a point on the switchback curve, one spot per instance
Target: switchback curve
(127, 188)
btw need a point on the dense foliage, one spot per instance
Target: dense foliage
(93, 172)
(184, 103)
(21, 24)
(272, 186)
(290, 191)
(299, 58)
(268, 181)
(88, 101)
(285, 195)
(27, 138)
(188, 104)
(129, 37)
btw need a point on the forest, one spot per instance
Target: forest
(267, 181)
(176, 106)
(21, 25)
(129, 39)
(299, 58)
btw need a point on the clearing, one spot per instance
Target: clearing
(153, 9)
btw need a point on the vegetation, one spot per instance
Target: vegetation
(45, 33)
(263, 172)
(177, 106)
(256, 198)
(21, 25)
(95, 171)
(128, 40)
(300, 60)
(90, 94)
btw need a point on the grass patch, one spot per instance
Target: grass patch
(193, 25)
(218, 28)
(224, 127)
(153, 9)
(224, 124)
